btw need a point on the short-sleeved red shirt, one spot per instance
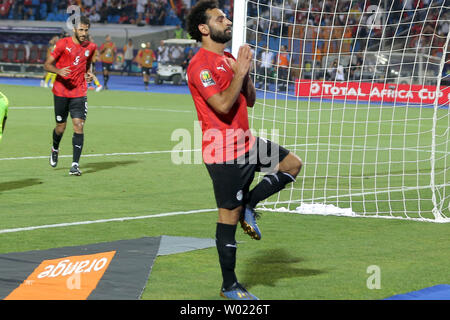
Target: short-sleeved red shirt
(77, 57)
(225, 136)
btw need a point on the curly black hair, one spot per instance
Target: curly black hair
(198, 16)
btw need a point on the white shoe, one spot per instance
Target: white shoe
(99, 88)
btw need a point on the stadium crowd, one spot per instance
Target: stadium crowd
(141, 12)
(323, 28)
(319, 27)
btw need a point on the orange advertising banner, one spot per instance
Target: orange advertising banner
(69, 278)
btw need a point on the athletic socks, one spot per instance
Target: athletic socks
(226, 248)
(77, 143)
(269, 185)
(56, 140)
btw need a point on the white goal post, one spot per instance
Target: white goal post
(360, 91)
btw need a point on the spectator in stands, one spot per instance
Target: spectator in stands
(355, 72)
(160, 9)
(331, 72)
(128, 55)
(5, 7)
(98, 4)
(94, 16)
(176, 54)
(340, 74)
(182, 13)
(264, 67)
(163, 53)
(283, 68)
(103, 13)
(336, 72)
(140, 11)
(88, 3)
(188, 58)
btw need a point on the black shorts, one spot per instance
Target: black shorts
(146, 70)
(77, 107)
(231, 181)
(106, 66)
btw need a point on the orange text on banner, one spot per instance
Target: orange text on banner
(69, 278)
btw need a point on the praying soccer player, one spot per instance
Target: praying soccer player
(222, 90)
(71, 60)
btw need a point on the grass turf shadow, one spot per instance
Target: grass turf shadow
(270, 266)
(99, 166)
(18, 184)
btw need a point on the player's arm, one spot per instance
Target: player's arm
(249, 91)
(89, 72)
(49, 65)
(223, 101)
(90, 65)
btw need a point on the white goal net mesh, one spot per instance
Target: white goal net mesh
(360, 91)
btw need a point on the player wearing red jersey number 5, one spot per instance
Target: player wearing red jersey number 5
(71, 60)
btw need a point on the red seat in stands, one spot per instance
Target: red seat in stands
(10, 53)
(34, 54)
(20, 53)
(2, 53)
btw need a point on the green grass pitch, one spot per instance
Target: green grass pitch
(128, 172)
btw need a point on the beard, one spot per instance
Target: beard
(220, 36)
(77, 36)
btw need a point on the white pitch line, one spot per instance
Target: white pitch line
(69, 224)
(103, 154)
(109, 107)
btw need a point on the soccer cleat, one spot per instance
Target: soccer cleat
(248, 223)
(237, 292)
(75, 170)
(99, 88)
(54, 157)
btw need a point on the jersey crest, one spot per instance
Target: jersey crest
(206, 78)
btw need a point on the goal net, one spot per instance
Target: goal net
(360, 91)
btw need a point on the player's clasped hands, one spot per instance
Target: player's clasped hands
(243, 61)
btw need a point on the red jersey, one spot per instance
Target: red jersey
(225, 136)
(77, 57)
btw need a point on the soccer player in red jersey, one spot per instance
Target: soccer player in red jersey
(71, 60)
(222, 90)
